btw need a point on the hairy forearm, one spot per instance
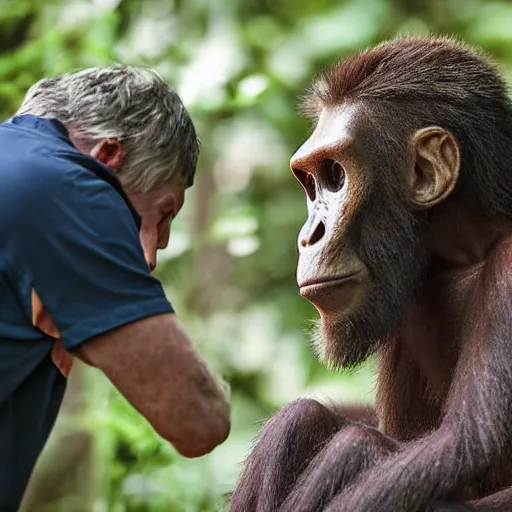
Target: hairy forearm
(156, 367)
(203, 412)
(421, 473)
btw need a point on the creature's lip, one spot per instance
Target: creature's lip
(319, 283)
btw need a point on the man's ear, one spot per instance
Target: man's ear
(435, 166)
(109, 152)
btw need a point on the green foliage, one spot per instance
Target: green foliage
(240, 66)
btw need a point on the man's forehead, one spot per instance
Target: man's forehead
(336, 127)
(163, 196)
(170, 194)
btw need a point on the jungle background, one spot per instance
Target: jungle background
(240, 67)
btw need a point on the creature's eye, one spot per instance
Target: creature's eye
(307, 181)
(332, 175)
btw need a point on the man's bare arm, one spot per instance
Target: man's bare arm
(155, 366)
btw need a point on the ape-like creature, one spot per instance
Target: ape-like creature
(406, 253)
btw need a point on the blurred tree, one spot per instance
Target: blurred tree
(240, 66)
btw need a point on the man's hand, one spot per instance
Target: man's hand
(155, 366)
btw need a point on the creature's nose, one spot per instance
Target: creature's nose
(314, 235)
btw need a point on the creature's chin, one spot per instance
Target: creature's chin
(340, 343)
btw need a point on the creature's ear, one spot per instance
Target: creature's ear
(435, 166)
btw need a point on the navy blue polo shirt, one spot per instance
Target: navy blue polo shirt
(71, 267)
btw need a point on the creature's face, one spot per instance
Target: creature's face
(360, 251)
(329, 273)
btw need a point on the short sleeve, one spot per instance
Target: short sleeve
(75, 239)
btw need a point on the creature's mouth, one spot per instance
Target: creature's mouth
(315, 285)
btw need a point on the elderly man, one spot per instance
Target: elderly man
(94, 168)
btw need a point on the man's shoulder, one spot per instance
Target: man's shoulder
(32, 133)
(38, 162)
(40, 178)
(34, 154)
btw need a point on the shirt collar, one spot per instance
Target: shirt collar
(45, 124)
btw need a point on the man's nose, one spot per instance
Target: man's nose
(150, 256)
(148, 239)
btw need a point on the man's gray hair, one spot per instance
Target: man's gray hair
(133, 105)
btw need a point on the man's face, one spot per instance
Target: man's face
(157, 209)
